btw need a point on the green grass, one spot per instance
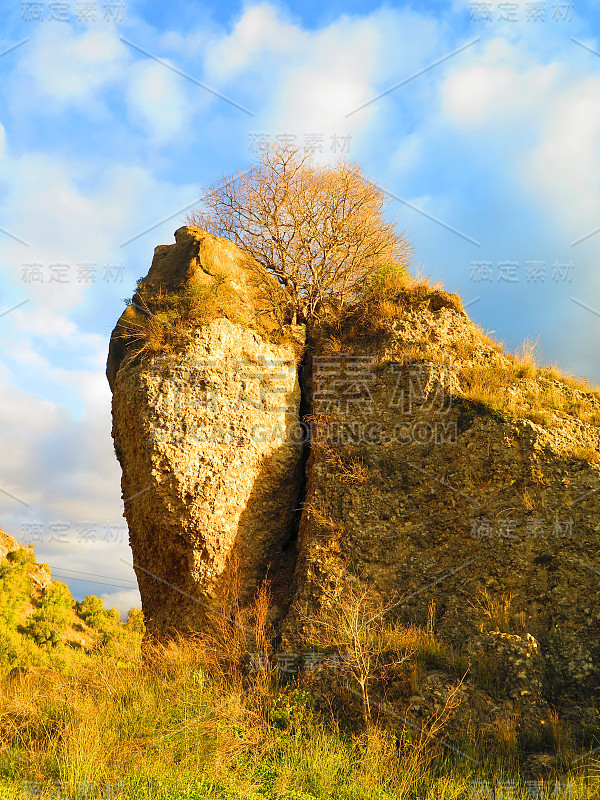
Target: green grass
(185, 724)
(190, 719)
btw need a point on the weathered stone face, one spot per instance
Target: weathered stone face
(38, 573)
(426, 495)
(209, 442)
(7, 544)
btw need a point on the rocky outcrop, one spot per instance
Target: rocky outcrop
(207, 437)
(423, 492)
(8, 544)
(441, 469)
(417, 487)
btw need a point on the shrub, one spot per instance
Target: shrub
(92, 612)
(52, 615)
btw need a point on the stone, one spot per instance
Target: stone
(427, 480)
(210, 446)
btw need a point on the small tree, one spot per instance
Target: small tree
(320, 231)
(135, 621)
(352, 618)
(91, 609)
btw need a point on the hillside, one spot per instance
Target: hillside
(41, 625)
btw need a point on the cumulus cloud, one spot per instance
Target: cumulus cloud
(260, 32)
(88, 62)
(550, 114)
(157, 97)
(565, 164)
(518, 89)
(498, 93)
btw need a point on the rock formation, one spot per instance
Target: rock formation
(8, 544)
(441, 468)
(38, 573)
(427, 494)
(208, 438)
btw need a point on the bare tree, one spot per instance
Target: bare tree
(321, 231)
(351, 618)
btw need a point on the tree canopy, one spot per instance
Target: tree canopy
(320, 230)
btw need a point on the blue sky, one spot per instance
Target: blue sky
(482, 119)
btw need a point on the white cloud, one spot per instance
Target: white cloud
(72, 67)
(564, 166)
(123, 601)
(156, 95)
(500, 86)
(258, 33)
(54, 398)
(550, 114)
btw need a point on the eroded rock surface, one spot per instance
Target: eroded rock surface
(430, 478)
(8, 544)
(208, 440)
(427, 495)
(38, 573)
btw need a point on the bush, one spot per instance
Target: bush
(52, 616)
(135, 621)
(91, 610)
(15, 586)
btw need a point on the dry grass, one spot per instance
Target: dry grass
(506, 731)
(191, 715)
(161, 323)
(349, 469)
(521, 389)
(495, 612)
(373, 317)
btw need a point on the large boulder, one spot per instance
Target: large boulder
(441, 468)
(207, 434)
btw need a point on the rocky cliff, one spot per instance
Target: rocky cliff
(441, 468)
(429, 479)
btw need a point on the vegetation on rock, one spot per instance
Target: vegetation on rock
(321, 231)
(45, 627)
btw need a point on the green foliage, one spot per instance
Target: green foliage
(51, 618)
(292, 707)
(91, 610)
(135, 621)
(15, 586)
(43, 637)
(387, 278)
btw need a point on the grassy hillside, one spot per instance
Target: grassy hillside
(225, 715)
(41, 625)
